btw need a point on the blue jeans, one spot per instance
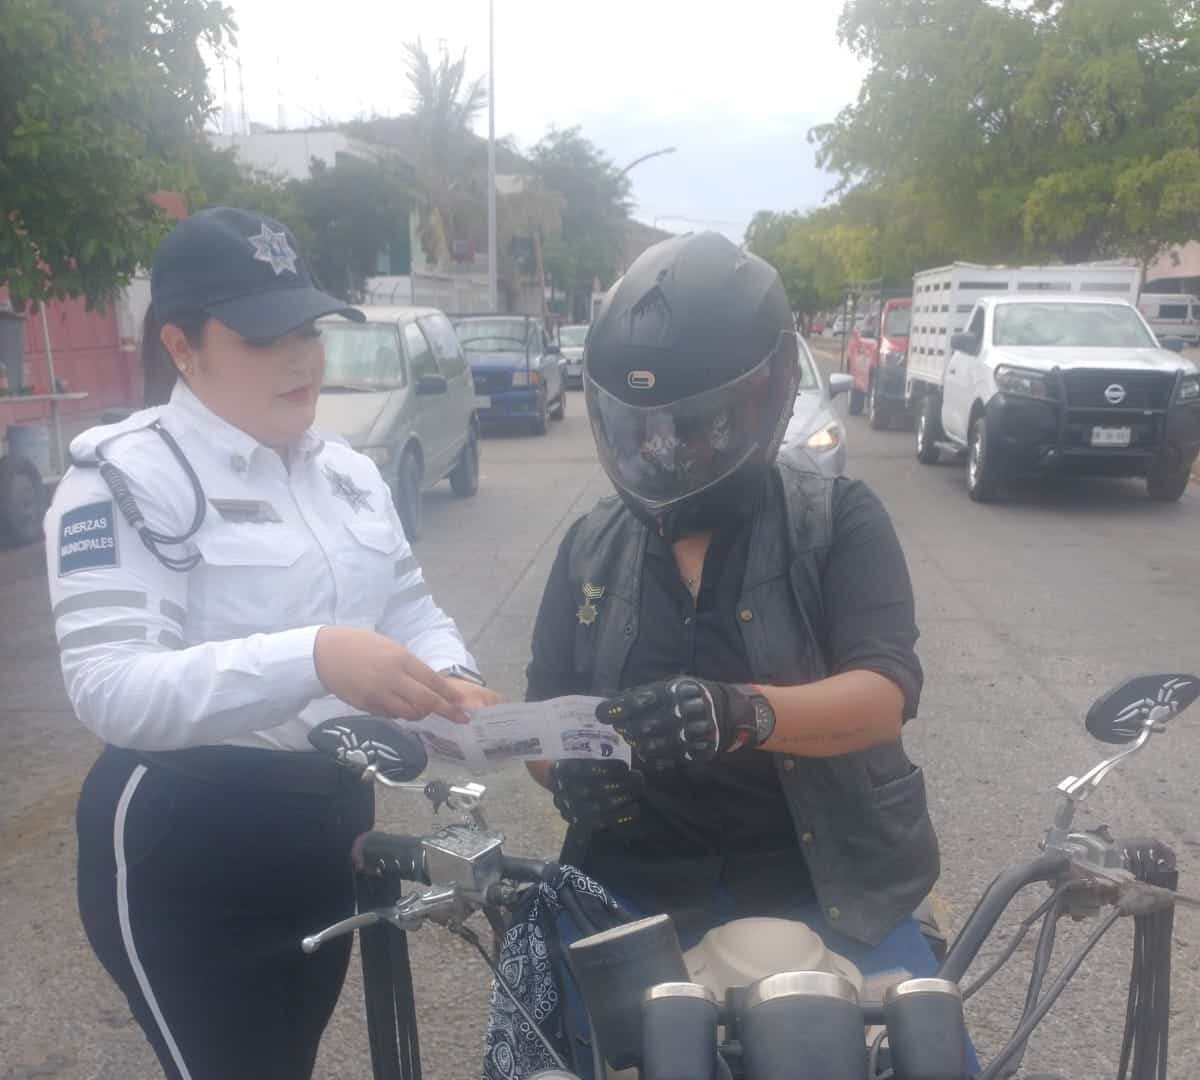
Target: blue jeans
(905, 948)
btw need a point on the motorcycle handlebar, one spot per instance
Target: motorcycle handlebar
(993, 904)
(402, 854)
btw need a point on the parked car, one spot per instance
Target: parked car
(1172, 315)
(570, 340)
(875, 357)
(1039, 381)
(398, 388)
(518, 371)
(814, 430)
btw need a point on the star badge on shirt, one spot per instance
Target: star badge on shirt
(273, 247)
(345, 488)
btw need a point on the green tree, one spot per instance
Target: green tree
(98, 102)
(444, 107)
(594, 214)
(1000, 130)
(354, 211)
(215, 177)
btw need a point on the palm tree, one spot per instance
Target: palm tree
(444, 106)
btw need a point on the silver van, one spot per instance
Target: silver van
(398, 388)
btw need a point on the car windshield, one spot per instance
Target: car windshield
(572, 337)
(808, 373)
(1070, 324)
(897, 322)
(492, 335)
(361, 356)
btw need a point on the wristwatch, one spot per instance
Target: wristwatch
(764, 714)
(457, 671)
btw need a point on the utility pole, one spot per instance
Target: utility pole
(493, 291)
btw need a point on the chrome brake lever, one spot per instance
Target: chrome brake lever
(408, 913)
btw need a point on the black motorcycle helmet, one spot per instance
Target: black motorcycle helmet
(690, 372)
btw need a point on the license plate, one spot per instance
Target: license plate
(1112, 436)
(483, 401)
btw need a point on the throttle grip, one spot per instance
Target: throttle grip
(394, 853)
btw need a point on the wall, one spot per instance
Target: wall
(88, 356)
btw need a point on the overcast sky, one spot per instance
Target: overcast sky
(735, 94)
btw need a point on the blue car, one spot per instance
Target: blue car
(518, 370)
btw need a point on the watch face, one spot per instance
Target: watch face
(764, 720)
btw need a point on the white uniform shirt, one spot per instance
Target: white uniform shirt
(155, 659)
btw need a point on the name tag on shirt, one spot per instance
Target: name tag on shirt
(87, 539)
(246, 511)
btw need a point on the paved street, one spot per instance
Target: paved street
(1028, 611)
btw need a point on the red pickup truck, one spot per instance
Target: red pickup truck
(876, 361)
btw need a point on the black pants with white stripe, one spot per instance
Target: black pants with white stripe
(195, 892)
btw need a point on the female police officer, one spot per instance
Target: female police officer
(223, 580)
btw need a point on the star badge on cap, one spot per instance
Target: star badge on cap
(273, 247)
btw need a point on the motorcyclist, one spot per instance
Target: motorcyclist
(749, 624)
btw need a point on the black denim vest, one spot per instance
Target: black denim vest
(861, 819)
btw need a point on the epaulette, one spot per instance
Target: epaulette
(85, 448)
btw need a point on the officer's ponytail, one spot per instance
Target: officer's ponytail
(159, 372)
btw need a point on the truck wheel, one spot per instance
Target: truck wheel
(407, 495)
(879, 415)
(22, 502)
(1168, 479)
(857, 400)
(983, 471)
(464, 477)
(929, 430)
(541, 421)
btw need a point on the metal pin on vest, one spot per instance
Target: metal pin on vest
(588, 611)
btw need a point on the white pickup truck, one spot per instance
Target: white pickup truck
(1047, 369)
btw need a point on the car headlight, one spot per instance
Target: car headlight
(893, 359)
(1189, 388)
(381, 455)
(1021, 381)
(826, 439)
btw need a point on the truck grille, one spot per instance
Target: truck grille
(1086, 389)
(1145, 432)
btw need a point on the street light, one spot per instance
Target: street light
(646, 157)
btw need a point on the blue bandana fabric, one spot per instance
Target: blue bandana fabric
(534, 965)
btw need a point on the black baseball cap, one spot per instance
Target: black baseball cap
(244, 270)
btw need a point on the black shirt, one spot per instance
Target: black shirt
(735, 806)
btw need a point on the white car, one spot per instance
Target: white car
(814, 430)
(571, 340)
(1071, 382)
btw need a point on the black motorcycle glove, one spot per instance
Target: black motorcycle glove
(688, 719)
(597, 794)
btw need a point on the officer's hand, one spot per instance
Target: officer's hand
(381, 677)
(596, 794)
(472, 695)
(683, 719)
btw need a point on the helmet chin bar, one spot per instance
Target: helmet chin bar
(734, 497)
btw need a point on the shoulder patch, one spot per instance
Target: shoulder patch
(87, 539)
